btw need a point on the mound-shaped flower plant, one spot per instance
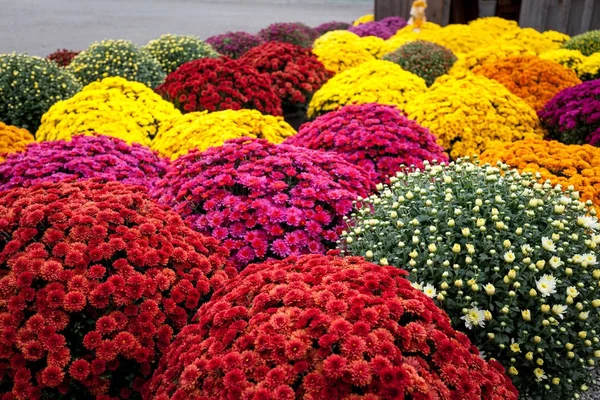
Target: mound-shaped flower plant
(341, 50)
(29, 86)
(171, 51)
(215, 84)
(512, 261)
(373, 136)
(13, 139)
(62, 57)
(576, 165)
(534, 80)
(569, 58)
(494, 25)
(331, 26)
(531, 39)
(489, 54)
(323, 327)
(363, 19)
(115, 107)
(103, 157)
(572, 116)
(96, 280)
(264, 200)
(201, 130)
(468, 113)
(234, 44)
(372, 29)
(587, 43)
(460, 39)
(117, 58)
(295, 71)
(589, 69)
(289, 32)
(424, 59)
(375, 81)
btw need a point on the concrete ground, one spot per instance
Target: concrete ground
(39, 27)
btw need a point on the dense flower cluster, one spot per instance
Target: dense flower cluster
(425, 59)
(264, 200)
(29, 86)
(341, 50)
(485, 55)
(375, 81)
(568, 58)
(587, 43)
(589, 69)
(512, 261)
(572, 115)
(116, 58)
(295, 71)
(376, 46)
(460, 39)
(13, 139)
(295, 33)
(372, 29)
(364, 19)
(114, 106)
(393, 23)
(96, 281)
(234, 44)
(376, 137)
(215, 84)
(495, 25)
(62, 57)
(103, 157)
(322, 327)
(562, 164)
(201, 130)
(532, 40)
(558, 38)
(534, 80)
(468, 113)
(332, 26)
(173, 50)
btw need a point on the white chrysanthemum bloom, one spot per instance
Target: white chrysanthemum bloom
(509, 256)
(588, 222)
(539, 374)
(589, 258)
(526, 249)
(572, 291)
(474, 317)
(490, 289)
(559, 310)
(548, 244)
(546, 285)
(555, 262)
(417, 285)
(578, 259)
(429, 290)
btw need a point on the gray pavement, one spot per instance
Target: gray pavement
(39, 27)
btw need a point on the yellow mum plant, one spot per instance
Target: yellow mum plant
(13, 139)
(565, 57)
(460, 39)
(374, 45)
(342, 50)
(467, 113)
(494, 25)
(201, 130)
(489, 54)
(532, 40)
(556, 37)
(375, 81)
(130, 111)
(364, 19)
(589, 69)
(564, 164)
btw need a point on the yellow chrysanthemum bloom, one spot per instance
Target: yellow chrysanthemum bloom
(364, 19)
(494, 25)
(375, 81)
(342, 50)
(114, 106)
(567, 58)
(460, 39)
(201, 130)
(374, 45)
(556, 37)
(532, 40)
(489, 54)
(13, 139)
(409, 30)
(468, 113)
(589, 69)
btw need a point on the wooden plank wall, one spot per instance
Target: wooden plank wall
(569, 16)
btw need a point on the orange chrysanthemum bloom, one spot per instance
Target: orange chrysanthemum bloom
(531, 78)
(577, 165)
(13, 139)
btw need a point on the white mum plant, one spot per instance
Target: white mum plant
(512, 261)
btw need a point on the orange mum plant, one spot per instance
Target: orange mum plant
(531, 78)
(13, 139)
(576, 165)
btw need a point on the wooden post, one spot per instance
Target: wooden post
(438, 11)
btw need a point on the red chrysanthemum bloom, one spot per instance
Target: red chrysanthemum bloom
(295, 70)
(211, 362)
(216, 84)
(62, 57)
(80, 310)
(279, 200)
(374, 136)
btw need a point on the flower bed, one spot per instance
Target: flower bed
(171, 51)
(114, 107)
(234, 44)
(62, 57)
(201, 130)
(375, 137)
(512, 261)
(102, 157)
(375, 81)
(264, 200)
(215, 84)
(96, 281)
(295, 33)
(13, 139)
(324, 328)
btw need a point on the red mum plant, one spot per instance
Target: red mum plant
(295, 71)
(323, 327)
(63, 57)
(95, 280)
(264, 200)
(375, 137)
(216, 84)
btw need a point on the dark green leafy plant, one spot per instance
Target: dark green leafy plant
(587, 43)
(173, 50)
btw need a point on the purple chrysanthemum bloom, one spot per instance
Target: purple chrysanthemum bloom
(393, 23)
(332, 26)
(374, 28)
(234, 44)
(289, 32)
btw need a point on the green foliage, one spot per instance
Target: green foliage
(173, 50)
(587, 43)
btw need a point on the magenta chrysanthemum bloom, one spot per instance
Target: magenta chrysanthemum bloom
(234, 44)
(264, 200)
(372, 29)
(289, 32)
(573, 115)
(373, 136)
(393, 23)
(104, 157)
(332, 26)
